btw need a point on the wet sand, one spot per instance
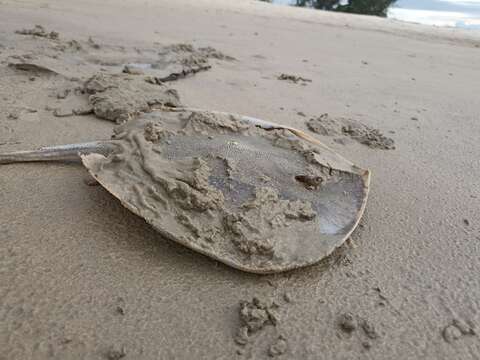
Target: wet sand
(82, 277)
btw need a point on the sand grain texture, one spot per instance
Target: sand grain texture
(68, 252)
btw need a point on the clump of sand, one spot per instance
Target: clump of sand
(293, 78)
(39, 30)
(343, 127)
(189, 54)
(457, 329)
(83, 58)
(279, 347)
(120, 97)
(254, 316)
(350, 323)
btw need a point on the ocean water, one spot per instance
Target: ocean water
(452, 13)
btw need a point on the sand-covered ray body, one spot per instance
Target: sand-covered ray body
(252, 194)
(258, 200)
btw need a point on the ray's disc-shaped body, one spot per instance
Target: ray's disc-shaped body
(256, 196)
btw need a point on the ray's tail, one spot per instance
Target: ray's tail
(58, 152)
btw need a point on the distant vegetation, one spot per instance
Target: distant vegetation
(367, 7)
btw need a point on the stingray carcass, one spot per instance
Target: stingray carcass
(254, 195)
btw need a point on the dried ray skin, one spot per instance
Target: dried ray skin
(121, 97)
(185, 173)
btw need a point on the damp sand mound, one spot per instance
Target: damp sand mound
(255, 316)
(39, 30)
(81, 58)
(164, 63)
(112, 81)
(181, 60)
(113, 97)
(121, 97)
(188, 54)
(342, 127)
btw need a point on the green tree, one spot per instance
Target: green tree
(367, 7)
(319, 4)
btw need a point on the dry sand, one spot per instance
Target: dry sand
(83, 278)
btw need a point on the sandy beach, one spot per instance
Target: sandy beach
(81, 277)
